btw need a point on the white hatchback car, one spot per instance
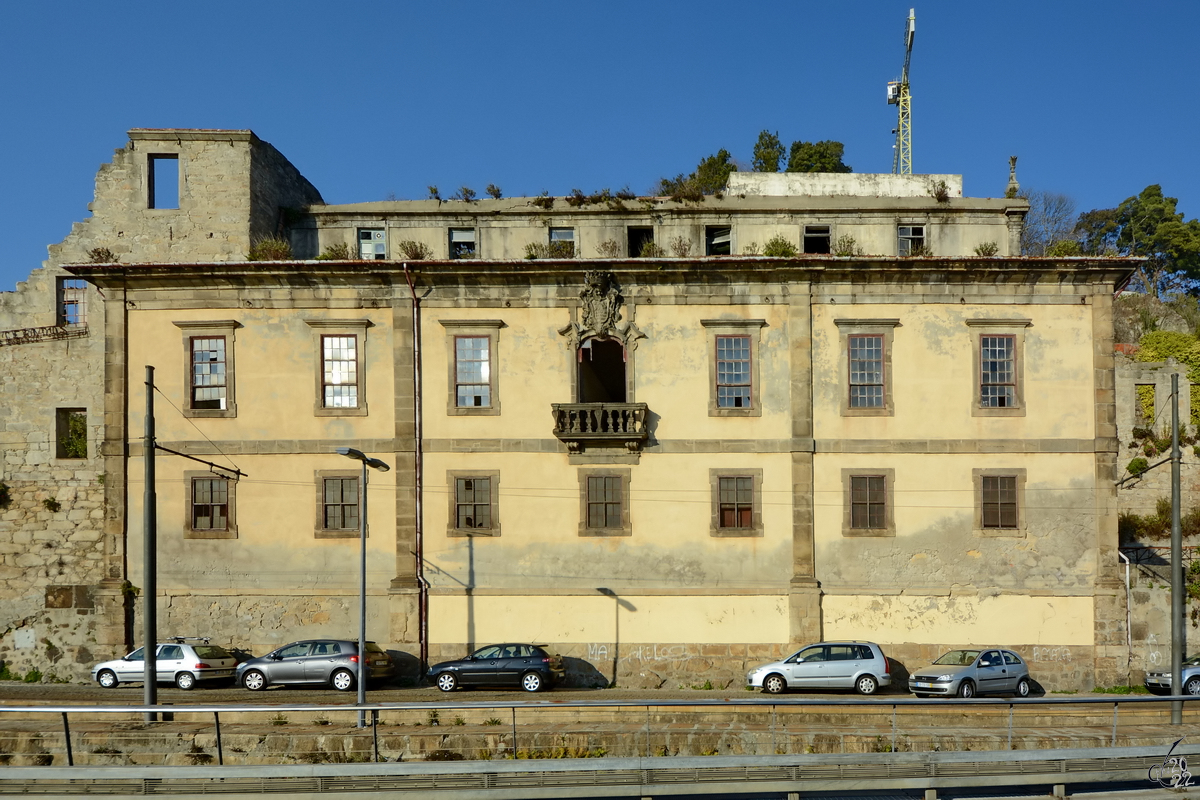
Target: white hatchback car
(860, 666)
(177, 661)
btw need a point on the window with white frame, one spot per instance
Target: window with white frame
(911, 240)
(718, 240)
(562, 243)
(865, 364)
(472, 379)
(341, 361)
(998, 356)
(372, 244)
(816, 239)
(208, 347)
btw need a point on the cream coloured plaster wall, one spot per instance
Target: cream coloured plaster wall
(933, 378)
(670, 547)
(534, 366)
(599, 618)
(275, 550)
(276, 365)
(936, 550)
(980, 620)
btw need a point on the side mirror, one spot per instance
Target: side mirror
(275, 657)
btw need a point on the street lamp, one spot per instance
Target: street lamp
(373, 463)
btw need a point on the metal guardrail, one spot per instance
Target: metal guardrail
(555, 729)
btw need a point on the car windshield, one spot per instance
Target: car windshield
(211, 651)
(1193, 661)
(136, 655)
(958, 658)
(374, 648)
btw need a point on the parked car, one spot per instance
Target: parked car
(967, 673)
(331, 661)
(1160, 682)
(861, 666)
(526, 665)
(177, 661)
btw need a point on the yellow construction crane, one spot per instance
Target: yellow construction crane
(898, 95)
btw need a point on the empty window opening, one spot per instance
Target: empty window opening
(372, 244)
(640, 240)
(341, 504)
(867, 501)
(72, 301)
(462, 243)
(736, 502)
(866, 371)
(472, 371)
(733, 372)
(816, 239)
(339, 362)
(601, 371)
(70, 433)
(911, 239)
(998, 382)
(164, 181)
(718, 240)
(210, 504)
(604, 502)
(1143, 407)
(999, 501)
(209, 385)
(473, 502)
(562, 243)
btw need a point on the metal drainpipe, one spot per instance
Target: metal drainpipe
(418, 482)
(1128, 618)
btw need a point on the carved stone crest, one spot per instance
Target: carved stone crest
(600, 303)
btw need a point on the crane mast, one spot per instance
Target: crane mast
(898, 95)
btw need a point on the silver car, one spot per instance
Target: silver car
(861, 666)
(177, 661)
(329, 661)
(967, 673)
(1160, 682)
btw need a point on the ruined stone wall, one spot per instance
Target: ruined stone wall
(277, 191)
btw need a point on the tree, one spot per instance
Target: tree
(768, 152)
(1051, 220)
(1147, 225)
(817, 157)
(709, 177)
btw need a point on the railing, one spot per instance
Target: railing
(576, 729)
(620, 424)
(42, 334)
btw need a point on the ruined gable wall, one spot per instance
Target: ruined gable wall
(275, 185)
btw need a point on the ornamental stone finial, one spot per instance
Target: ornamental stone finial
(1013, 186)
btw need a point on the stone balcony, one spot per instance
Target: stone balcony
(604, 425)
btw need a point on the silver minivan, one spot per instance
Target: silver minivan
(860, 666)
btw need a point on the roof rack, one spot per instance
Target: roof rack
(182, 639)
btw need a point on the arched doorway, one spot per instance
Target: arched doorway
(601, 371)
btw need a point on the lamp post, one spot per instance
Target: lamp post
(373, 463)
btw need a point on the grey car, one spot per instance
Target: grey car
(315, 661)
(971, 672)
(1160, 682)
(860, 666)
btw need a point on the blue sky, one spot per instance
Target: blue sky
(371, 99)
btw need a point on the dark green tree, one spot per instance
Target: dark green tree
(768, 152)
(817, 157)
(710, 177)
(1147, 225)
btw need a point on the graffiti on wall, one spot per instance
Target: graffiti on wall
(1051, 654)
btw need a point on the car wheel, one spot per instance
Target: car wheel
(342, 680)
(774, 684)
(966, 689)
(1023, 688)
(866, 684)
(1192, 686)
(254, 680)
(531, 682)
(185, 681)
(107, 678)
(447, 682)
